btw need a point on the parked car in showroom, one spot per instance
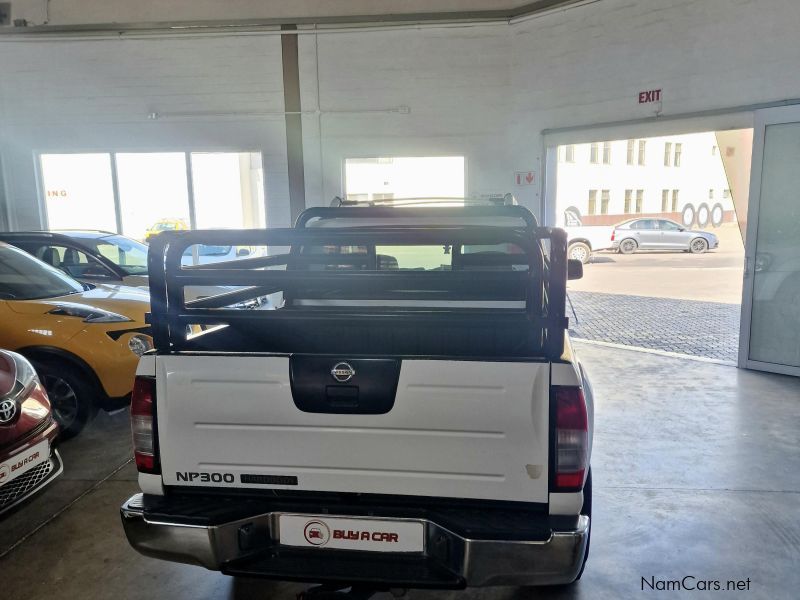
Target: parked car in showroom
(28, 460)
(103, 257)
(83, 340)
(660, 234)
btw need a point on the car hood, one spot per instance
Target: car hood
(127, 301)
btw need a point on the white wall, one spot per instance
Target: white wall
(76, 96)
(485, 92)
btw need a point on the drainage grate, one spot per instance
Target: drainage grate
(24, 484)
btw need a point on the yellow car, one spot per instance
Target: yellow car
(84, 341)
(165, 225)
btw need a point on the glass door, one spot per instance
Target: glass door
(770, 338)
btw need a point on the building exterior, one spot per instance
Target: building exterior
(680, 177)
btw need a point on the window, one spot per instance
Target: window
(405, 177)
(228, 190)
(594, 154)
(73, 262)
(639, 200)
(606, 153)
(665, 225)
(79, 192)
(628, 194)
(677, 158)
(711, 194)
(641, 152)
(726, 194)
(569, 153)
(675, 200)
(629, 158)
(644, 224)
(667, 153)
(153, 191)
(664, 200)
(604, 200)
(592, 202)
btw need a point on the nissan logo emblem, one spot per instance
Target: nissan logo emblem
(8, 409)
(342, 372)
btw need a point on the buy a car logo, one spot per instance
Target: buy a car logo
(316, 533)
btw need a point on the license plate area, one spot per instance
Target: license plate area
(347, 533)
(24, 461)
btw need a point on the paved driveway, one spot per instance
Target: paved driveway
(666, 301)
(705, 329)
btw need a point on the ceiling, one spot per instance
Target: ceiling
(32, 15)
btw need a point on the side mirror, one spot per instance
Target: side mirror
(574, 269)
(242, 251)
(681, 228)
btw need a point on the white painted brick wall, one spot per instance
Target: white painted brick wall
(485, 92)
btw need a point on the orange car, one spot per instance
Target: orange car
(84, 340)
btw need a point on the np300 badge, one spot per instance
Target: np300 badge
(342, 372)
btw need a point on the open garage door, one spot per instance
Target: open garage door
(771, 299)
(654, 214)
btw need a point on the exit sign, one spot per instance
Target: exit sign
(648, 96)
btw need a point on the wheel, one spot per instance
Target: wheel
(579, 251)
(71, 396)
(628, 246)
(698, 246)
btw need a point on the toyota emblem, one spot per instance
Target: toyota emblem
(342, 372)
(8, 410)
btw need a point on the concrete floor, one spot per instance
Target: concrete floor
(696, 472)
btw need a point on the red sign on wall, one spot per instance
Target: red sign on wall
(648, 96)
(524, 177)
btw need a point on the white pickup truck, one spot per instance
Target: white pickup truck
(411, 415)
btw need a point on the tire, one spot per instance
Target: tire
(687, 215)
(628, 246)
(717, 215)
(703, 215)
(71, 396)
(698, 246)
(579, 251)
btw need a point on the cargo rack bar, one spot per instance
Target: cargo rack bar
(542, 285)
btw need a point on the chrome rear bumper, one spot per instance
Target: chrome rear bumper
(472, 562)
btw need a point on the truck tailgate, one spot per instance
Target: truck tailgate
(462, 429)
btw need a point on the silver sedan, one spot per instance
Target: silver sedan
(660, 234)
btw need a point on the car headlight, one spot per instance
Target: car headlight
(139, 344)
(89, 314)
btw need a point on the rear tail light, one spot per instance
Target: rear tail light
(613, 234)
(143, 425)
(571, 438)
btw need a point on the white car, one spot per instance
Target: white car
(413, 414)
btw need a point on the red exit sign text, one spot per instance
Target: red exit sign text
(650, 96)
